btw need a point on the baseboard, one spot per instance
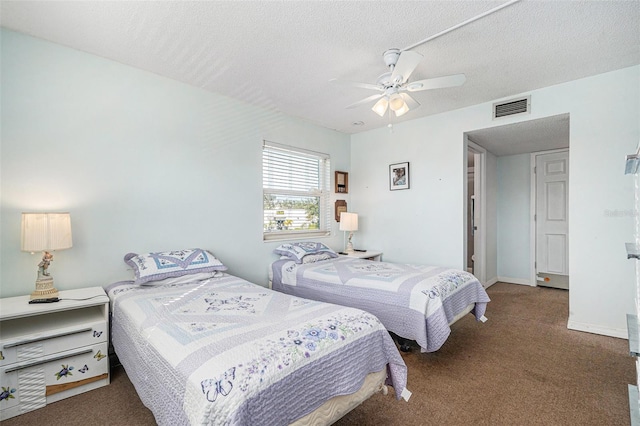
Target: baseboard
(598, 329)
(521, 281)
(490, 282)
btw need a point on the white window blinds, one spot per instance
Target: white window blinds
(295, 184)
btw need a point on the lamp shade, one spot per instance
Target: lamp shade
(46, 231)
(348, 221)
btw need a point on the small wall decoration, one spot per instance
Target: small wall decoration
(341, 206)
(399, 176)
(342, 182)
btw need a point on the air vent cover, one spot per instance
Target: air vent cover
(512, 107)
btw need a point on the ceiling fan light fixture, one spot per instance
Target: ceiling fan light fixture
(402, 111)
(380, 107)
(396, 102)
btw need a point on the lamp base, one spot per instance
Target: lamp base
(349, 248)
(44, 289)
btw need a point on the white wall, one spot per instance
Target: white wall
(146, 163)
(491, 223)
(514, 218)
(425, 223)
(143, 163)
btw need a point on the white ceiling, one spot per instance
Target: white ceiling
(542, 134)
(281, 55)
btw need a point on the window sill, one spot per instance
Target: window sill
(292, 235)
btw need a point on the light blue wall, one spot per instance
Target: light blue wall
(146, 163)
(426, 223)
(143, 163)
(513, 214)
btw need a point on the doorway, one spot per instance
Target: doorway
(509, 239)
(475, 211)
(550, 201)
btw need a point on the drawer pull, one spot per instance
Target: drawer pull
(52, 336)
(45, 360)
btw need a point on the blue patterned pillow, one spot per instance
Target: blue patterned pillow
(297, 251)
(162, 265)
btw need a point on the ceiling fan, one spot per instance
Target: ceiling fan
(395, 83)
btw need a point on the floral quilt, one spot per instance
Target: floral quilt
(416, 302)
(226, 351)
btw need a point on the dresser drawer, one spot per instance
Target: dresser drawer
(31, 384)
(55, 332)
(52, 341)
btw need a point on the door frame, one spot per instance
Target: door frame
(534, 200)
(479, 176)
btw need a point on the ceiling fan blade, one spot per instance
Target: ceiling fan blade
(436, 83)
(411, 103)
(407, 62)
(365, 100)
(355, 84)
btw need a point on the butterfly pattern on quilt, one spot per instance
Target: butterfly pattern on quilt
(212, 388)
(235, 303)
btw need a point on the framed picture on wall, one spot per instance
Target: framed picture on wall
(341, 206)
(399, 176)
(342, 182)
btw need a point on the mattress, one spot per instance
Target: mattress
(226, 351)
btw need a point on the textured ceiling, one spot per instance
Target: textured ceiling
(281, 55)
(527, 136)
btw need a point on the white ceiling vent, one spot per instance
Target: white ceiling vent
(512, 107)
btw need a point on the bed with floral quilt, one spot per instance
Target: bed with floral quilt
(415, 302)
(217, 349)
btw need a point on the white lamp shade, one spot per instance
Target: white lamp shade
(348, 221)
(46, 231)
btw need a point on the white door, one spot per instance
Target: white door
(552, 209)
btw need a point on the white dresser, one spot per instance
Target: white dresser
(51, 351)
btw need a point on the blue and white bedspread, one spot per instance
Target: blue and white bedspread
(415, 302)
(226, 351)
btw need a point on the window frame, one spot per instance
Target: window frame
(323, 192)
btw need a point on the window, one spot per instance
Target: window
(295, 186)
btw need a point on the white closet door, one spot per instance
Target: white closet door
(552, 213)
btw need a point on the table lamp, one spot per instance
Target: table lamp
(349, 222)
(45, 232)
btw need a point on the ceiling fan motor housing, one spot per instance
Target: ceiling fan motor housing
(391, 57)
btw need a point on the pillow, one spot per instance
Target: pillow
(313, 258)
(168, 264)
(185, 279)
(297, 251)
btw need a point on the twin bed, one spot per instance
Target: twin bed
(415, 302)
(204, 347)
